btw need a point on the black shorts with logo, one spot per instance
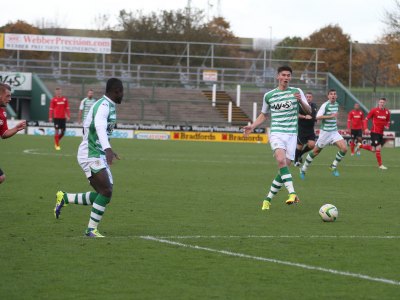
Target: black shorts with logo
(1, 172)
(59, 123)
(376, 139)
(356, 133)
(304, 138)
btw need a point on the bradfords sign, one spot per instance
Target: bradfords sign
(17, 81)
(56, 43)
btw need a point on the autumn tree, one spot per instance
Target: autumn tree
(336, 53)
(392, 20)
(187, 25)
(22, 27)
(287, 50)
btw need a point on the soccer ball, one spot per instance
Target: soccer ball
(328, 212)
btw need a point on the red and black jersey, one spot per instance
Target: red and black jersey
(380, 118)
(59, 108)
(3, 121)
(355, 119)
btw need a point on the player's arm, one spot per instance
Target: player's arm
(51, 110)
(388, 121)
(301, 98)
(249, 128)
(349, 121)
(81, 107)
(67, 111)
(10, 132)
(321, 113)
(100, 123)
(314, 112)
(365, 122)
(260, 119)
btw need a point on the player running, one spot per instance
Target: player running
(355, 125)
(283, 103)
(380, 117)
(328, 134)
(306, 136)
(95, 157)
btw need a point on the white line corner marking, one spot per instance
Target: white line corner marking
(272, 260)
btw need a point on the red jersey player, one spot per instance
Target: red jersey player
(355, 125)
(5, 98)
(59, 108)
(380, 117)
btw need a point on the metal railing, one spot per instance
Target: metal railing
(141, 62)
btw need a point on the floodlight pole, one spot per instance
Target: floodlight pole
(350, 62)
(270, 46)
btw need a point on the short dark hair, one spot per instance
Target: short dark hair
(112, 84)
(285, 68)
(331, 90)
(382, 98)
(4, 86)
(310, 93)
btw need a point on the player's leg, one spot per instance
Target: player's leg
(341, 144)
(309, 146)
(352, 143)
(297, 156)
(102, 183)
(62, 132)
(64, 198)
(377, 143)
(320, 144)
(56, 135)
(2, 176)
(276, 185)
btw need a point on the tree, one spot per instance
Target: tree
(288, 51)
(188, 25)
(336, 53)
(392, 20)
(22, 27)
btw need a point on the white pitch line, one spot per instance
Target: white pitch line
(35, 152)
(279, 236)
(272, 260)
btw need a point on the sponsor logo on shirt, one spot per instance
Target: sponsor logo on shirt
(282, 105)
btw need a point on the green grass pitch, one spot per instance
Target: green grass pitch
(200, 204)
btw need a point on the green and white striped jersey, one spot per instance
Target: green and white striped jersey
(284, 109)
(98, 127)
(327, 109)
(85, 106)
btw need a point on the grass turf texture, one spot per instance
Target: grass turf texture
(166, 188)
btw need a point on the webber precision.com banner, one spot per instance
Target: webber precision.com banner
(56, 43)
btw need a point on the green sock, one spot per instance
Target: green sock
(275, 187)
(80, 198)
(287, 179)
(338, 158)
(97, 211)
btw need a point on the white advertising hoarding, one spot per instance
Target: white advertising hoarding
(17, 81)
(56, 43)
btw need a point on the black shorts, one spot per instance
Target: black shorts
(59, 123)
(1, 172)
(376, 139)
(356, 133)
(303, 139)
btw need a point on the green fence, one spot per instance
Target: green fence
(345, 97)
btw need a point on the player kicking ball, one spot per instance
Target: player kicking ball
(328, 135)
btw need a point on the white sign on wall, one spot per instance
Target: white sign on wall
(17, 81)
(55, 43)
